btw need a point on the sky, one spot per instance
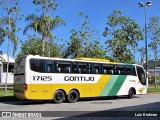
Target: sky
(97, 10)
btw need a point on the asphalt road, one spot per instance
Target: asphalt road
(140, 107)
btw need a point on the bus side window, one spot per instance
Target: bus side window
(119, 70)
(63, 67)
(97, 69)
(116, 72)
(59, 70)
(56, 67)
(33, 64)
(133, 71)
(40, 66)
(107, 69)
(104, 71)
(129, 70)
(74, 68)
(37, 65)
(82, 68)
(49, 67)
(79, 70)
(89, 68)
(67, 70)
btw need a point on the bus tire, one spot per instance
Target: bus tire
(73, 96)
(131, 93)
(59, 96)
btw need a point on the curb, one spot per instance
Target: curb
(153, 93)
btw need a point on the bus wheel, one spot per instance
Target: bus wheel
(73, 96)
(59, 96)
(131, 93)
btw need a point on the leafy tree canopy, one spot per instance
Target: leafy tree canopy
(123, 33)
(34, 45)
(84, 42)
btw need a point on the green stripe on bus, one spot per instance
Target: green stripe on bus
(109, 85)
(117, 85)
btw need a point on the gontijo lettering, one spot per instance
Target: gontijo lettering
(78, 78)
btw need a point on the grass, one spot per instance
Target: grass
(9, 92)
(153, 90)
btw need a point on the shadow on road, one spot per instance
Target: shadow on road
(7, 98)
(14, 101)
(138, 112)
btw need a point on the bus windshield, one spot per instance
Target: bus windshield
(141, 75)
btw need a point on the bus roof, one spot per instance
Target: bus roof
(93, 59)
(82, 59)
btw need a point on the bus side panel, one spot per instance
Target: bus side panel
(130, 82)
(119, 82)
(97, 88)
(48, 91)
(37, 91)
(141, 89)
(109, 86)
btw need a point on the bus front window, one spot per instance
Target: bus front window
(141, 75)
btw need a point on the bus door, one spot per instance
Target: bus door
(142, 83)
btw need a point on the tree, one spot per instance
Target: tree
(8, 23)
(33, 46)
(84, 42)
(154, 34)
(44, 24)
(2, 32)
(94, 50)
(142, 53)
(123, 33)
(74, 48)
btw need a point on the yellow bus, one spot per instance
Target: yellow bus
(57, 79)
